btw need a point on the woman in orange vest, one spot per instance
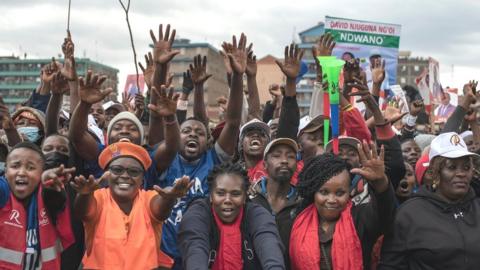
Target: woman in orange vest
(123, 223)
(34, 219)
(330, 232)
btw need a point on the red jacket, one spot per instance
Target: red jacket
(13, 229)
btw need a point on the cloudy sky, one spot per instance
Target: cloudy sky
(442, 29)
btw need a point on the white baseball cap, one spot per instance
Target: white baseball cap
(449, 145)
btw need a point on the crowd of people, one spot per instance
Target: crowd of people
(138, 184)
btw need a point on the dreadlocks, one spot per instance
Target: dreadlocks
(317, 172)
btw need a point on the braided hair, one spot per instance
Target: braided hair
(231, 169)
(317, 172)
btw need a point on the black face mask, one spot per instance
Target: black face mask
(55, 159)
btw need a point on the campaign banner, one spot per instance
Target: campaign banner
(367, 41)
(131, 84)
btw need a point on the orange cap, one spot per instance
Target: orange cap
(124, 149)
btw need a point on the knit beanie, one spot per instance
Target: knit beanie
(126, 116)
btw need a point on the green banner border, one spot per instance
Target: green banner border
(388, 40)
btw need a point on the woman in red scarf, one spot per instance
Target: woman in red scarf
(224, 232)
(331, 233)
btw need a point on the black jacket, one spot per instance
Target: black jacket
(430, 233)
(198, 238)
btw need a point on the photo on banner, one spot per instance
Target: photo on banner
(367, 41)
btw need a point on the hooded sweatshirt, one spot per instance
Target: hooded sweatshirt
(430, 233)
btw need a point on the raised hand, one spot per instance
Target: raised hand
(90, 91)
(373, 167)
(187, 84)
(48, 71)
(198, 70)
(291, 64)
(324, 46)
(139, 104)
(127, 101)
(59, 84)
(162, 49)
(378, 71)
(149, 70)
(57, 177)
(68, 48)
(166, 104)
(5, 118)
(469, 96)
(179, 189)
(85, 186)
(238, 54)
(352, 70)
(251, 63)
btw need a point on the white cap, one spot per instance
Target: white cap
(449, 145)
(255, 123)
(466, 134)
(95, 130)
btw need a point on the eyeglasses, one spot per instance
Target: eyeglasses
(119, 170)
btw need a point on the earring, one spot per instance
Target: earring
(434, 185)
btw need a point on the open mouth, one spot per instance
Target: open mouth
(124, 186)
(124, 139)
(191, 146)
(21, 184)
(255, 145)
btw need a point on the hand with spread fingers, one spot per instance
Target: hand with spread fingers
(251, 62)
(149, 70)
(86, 186)
(162, 48)
(378, 71)
(324, 46)
(59, 84)
(198, 70)
(139, 104)
(56, 178)
(291, 64)
(179, 189)
(90, 91)
(166, 104)
(469, 96)
(127, 101)
(352, 70)
(68, 48)
(237, 54)
(373, 167)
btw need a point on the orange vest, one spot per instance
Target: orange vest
(117, 241)
(13, 230)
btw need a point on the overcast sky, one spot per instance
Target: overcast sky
(445, 30)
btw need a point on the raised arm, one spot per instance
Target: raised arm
(238, 61)
(199, 76)
(69, 70)
(8, 126)
(166, 107)
(90, 93)
(59, 87)
(290, 114)
(162, 55)
(182, 104)
(253, 97)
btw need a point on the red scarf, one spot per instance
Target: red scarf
(305, 246)
(256, 173)
(229, 254)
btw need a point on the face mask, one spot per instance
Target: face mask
(32, 133)
(2, 168)
(55, 159)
